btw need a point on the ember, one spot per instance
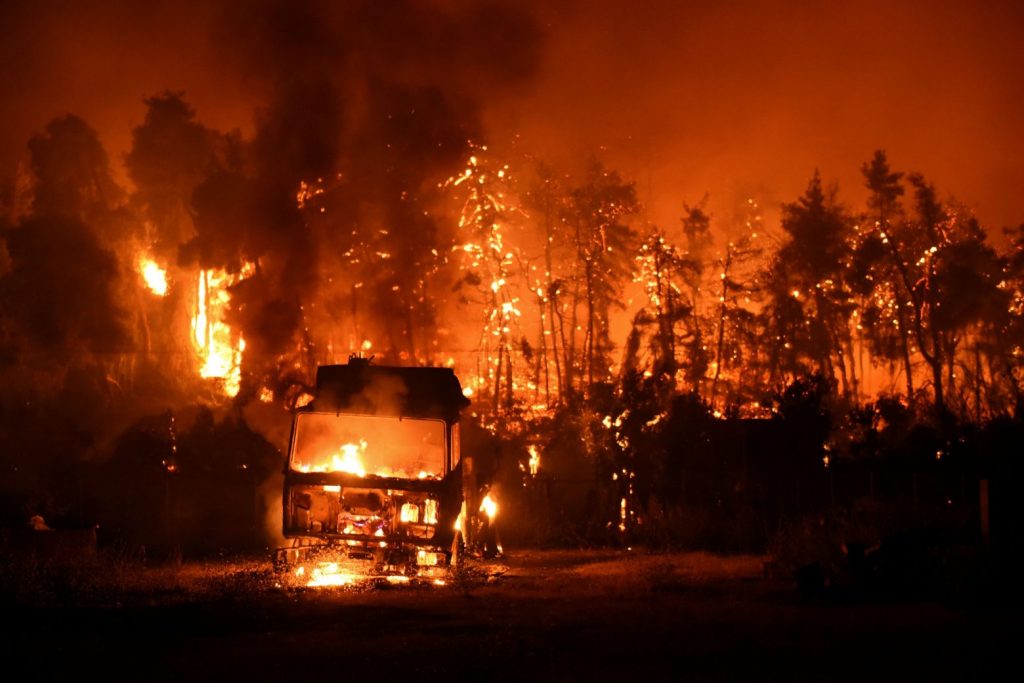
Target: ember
(328, 574)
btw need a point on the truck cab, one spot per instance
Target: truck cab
(373, 473)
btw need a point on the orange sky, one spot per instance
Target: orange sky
(685, 97)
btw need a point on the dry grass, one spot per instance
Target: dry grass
(114, 580)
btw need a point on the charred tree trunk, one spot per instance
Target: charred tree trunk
(542, 352)
(548, 288)
(496, 391)
(557, 313)
(571, 362)
(908, 368)
(720, 340)
(589, 338)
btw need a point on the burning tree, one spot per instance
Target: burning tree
(735, 333)
(493, 268)
(885, 307)
(697, 232)
(603, 243)
(1006, 346)
(809, 306)
(664, 273)
(547, 201)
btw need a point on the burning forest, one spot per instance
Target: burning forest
(384, 276)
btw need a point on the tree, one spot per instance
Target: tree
(604, 243)
(971, 307)
(735, 292)
(1008, 340)
(171, 155)
(72, 170)
(546, 200)
(697, 233)
(491, 265)
(902, 258)
(60, 291)
(664, 272)
(879, 278)
(808, 286)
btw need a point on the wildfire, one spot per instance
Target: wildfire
(153, 275)
(218, 346)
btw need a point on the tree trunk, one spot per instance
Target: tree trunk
(720, 344)
(589, 339)
(908, 368)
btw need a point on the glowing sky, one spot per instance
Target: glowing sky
(685, 97)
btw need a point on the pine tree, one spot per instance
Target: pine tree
(604, 244)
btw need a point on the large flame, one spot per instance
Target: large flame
(153, 275)
(349, 459)
(218, 346)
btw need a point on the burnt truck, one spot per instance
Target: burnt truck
(373, 483)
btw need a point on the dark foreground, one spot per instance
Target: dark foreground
(554, 615)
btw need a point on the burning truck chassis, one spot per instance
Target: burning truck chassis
(373, 484)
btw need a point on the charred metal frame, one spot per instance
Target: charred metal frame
(362, 389)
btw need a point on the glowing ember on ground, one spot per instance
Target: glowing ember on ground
(336, 574)
(328, 574)
(154, 276)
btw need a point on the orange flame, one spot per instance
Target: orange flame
(350, 459)
(489, 507)
(153, 275)
(218, 347)
(327, 574)
(534, 463)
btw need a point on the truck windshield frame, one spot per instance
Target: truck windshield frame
(369, 445)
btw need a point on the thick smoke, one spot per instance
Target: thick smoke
(373, 104)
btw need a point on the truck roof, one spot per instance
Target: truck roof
(360, 387)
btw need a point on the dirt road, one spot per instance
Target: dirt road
(553, 616)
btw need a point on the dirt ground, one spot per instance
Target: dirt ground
(553, 615)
